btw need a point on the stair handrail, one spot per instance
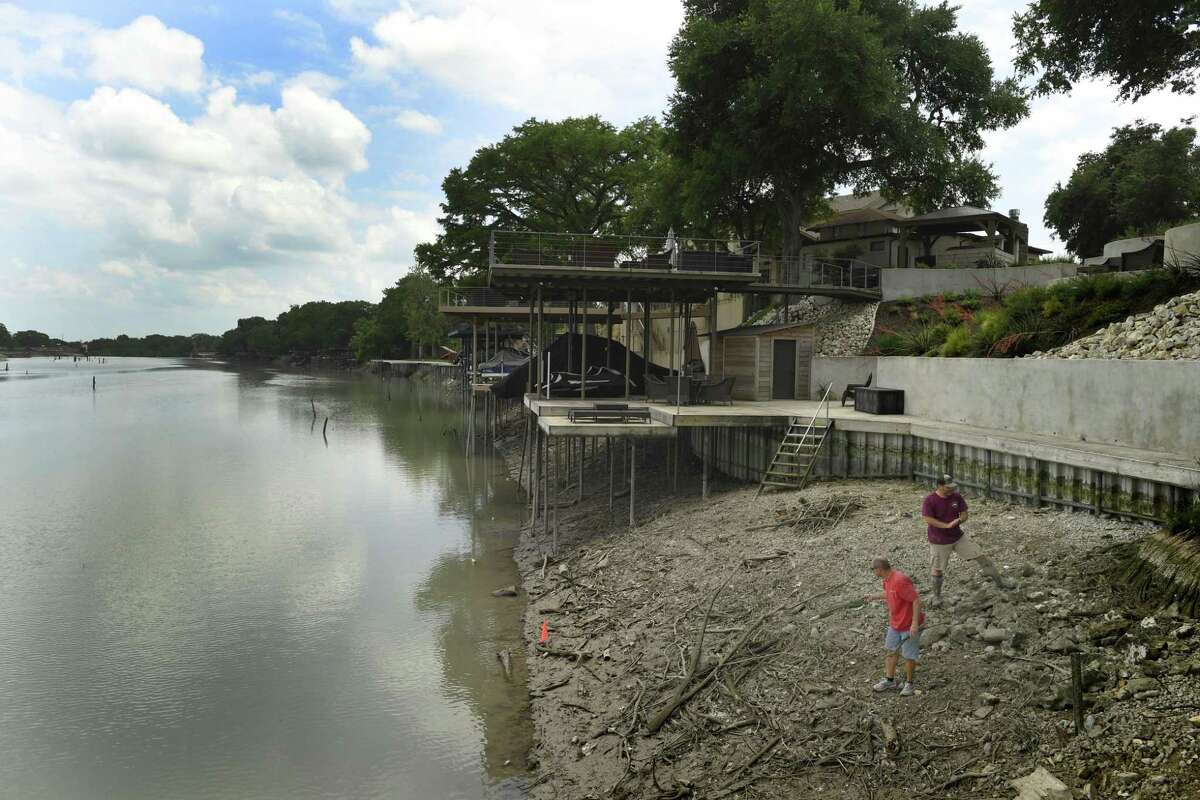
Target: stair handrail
(824, 402)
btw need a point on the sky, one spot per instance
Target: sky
(169, 166)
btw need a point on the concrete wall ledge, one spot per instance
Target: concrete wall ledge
(1115, 459)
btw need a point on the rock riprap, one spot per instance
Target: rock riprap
(1171, 331)
(843, 328)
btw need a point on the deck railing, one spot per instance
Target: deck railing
(823, 273)
(668, 253)
(477, 297)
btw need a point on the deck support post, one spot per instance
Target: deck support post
(671, 355)
(632, 477)
(608, 334)
(583, 350)
(541, 342)
(647, 321)
(712, 339)
(609, 456)
(529, 368)
(570, 330)
(582, 454)
(705, 449)
(628, 328)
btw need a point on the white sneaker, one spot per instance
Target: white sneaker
(907, 691)
(885, 684)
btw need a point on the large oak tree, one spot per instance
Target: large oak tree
(779, 102)
(1144, 181)
(1139, 45)
(580, 175)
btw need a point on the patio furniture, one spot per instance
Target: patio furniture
(683, 390)
(851, 388)
(619, 413)
(656, 389)
(717, 391)
(877, 400)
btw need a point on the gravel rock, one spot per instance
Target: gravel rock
(842, 327)
(1170, 332)
(993, 635)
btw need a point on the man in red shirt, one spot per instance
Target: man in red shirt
(905, 619)
(944, 511)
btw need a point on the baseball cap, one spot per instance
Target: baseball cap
(947, 481)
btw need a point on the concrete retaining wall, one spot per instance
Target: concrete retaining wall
(900, 283)
(1150, 405)
(1182, 245)
(839, 371)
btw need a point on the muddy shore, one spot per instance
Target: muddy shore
(775, 700)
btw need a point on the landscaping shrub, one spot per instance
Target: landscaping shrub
(958, 343)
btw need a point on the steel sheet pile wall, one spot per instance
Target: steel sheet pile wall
(743, 453)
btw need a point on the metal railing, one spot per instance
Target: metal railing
(806, 272)
(477, 296)
(668, 253)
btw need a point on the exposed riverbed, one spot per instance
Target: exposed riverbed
(201, 597)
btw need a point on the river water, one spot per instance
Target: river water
(201, 597)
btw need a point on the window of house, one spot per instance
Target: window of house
(878, 246)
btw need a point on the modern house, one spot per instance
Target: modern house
(888, 235)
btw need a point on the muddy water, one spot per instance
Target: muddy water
(200, 596)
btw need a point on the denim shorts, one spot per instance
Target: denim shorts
(908, 645)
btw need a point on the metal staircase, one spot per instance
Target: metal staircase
(793, 461)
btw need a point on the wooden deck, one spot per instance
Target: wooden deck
(667, 419)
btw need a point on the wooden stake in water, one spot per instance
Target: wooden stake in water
(1077, 690)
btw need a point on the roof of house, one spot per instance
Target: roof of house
(758, 330)
(856, 216)
(843, 203)
(954, 213)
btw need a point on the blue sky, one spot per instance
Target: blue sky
(172, 166)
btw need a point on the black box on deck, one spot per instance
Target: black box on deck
(876, 400)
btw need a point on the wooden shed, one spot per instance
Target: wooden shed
(770, 362)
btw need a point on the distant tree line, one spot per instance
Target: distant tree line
(404, 323)
(152, 346)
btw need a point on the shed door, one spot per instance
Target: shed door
(783, 369)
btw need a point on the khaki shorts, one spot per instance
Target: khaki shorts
(939, 554)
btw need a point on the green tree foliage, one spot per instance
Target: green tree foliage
(308, 328)
(5, 336)
(406, 316)
(153, 346)
(30, 339)
(778, 102)
(1139, 46)
(425, 326)
(1145, 180)
(580, 175)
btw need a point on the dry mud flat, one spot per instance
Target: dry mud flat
(775, 699)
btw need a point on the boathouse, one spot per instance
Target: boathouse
(768, 362)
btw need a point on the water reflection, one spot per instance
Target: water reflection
(202, 599)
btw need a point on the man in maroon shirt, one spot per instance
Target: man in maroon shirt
(944, 511)
(905, 619)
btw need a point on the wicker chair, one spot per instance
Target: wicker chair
(717, 391)
(850, 387)
(656, 389)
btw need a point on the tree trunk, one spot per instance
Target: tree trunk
(793, 212)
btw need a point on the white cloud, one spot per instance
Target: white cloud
(120, 269)
(256, 80)
(542, 57)
(149, 55)
(413, 120)
(305, 32)
(33, 43)
(321, 134)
